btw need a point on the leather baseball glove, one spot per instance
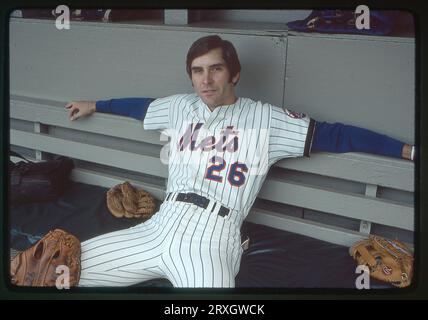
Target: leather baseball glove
(37, 266)
(123, 200)
(388, 260)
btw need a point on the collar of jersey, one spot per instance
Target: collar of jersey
(218, 107)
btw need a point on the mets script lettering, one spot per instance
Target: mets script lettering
(226, 141)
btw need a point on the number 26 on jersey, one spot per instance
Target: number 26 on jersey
(235, 175)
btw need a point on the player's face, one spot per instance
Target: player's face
(211, 79)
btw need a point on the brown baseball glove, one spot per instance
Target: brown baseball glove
(37, 266)
(388, 260)
(123, 200)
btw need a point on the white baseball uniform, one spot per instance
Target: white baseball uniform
(224, 156)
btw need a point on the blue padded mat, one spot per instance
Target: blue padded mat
(275, 258)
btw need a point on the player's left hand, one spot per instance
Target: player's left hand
(408, 152)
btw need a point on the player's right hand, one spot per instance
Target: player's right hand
(78, 109)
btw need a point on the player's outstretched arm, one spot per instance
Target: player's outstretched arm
(338, 137)
(79, 109)
(129, 107)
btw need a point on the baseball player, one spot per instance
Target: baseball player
(220, 151)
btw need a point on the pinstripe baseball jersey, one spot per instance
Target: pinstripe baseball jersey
(222, 155)
(225, 154)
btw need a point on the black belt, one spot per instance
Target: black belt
(200, 201)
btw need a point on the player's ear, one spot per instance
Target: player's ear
(235, 78)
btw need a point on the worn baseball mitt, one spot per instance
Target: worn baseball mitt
(37, 266)
(388, 260)
(123, 200)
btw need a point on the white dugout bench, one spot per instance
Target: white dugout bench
(359, 80)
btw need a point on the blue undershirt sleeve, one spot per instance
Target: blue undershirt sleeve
(339, 138)
(131, 107)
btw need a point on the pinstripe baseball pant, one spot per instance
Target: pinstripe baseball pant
(188, 245)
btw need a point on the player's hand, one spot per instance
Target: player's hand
(78, 109)
(407, 152)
